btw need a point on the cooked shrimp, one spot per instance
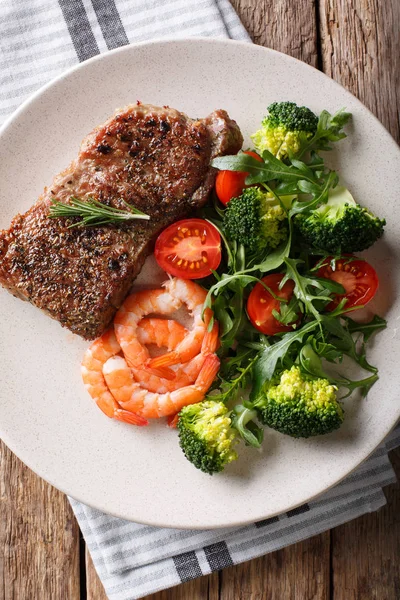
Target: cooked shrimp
(92, 373)
(169, 333)
(164, 333)
(132, 397)
(193, 296)
(135, 307)
(172, 421)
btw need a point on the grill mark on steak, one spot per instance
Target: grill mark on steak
(156, 159)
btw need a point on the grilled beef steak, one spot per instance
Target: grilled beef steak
(156, 159)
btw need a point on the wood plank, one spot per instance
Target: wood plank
(299, 572)
(285, 25)
(366, 551)
(39, 537)
(361, 50)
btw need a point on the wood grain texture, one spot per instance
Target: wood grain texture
(289, 26)
(361, 50)
(39, 547)
(299, 572)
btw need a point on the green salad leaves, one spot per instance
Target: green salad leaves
(291, 366)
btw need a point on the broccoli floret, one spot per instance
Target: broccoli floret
(206, 436)
(299, 406)
(284, 128)
(256, 220)
(340, 225)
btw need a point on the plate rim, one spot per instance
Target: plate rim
(215, 42)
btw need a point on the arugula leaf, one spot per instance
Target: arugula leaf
(288, 314)
(303, 168)
(317, 163)
(240, 279)
(229, 312)
(268, 359)
(329, 129)
(231, 364)
(229, 389)
(286, 188)
(327, 351)
(221, 314)
(243, 422)
(274, 259)
(341, 337)
(227, 280)
(309, 289)
(367, 329)
(259, 172)
(312, 364)
(319, 195)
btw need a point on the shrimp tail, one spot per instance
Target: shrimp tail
(159, 371)
(211, 340)
(112, 409)
(172, 420)
(165, 360)
(163, 372)
(129, 417)
(207, 373)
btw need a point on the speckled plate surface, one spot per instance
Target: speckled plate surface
(46, 416)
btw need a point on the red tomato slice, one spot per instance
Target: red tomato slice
(230, 184)
(261, 304)
(189, 249)
(357, 277)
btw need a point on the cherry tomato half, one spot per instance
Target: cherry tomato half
(230, 184)
(189, 249)
(357, 277)
(261, 304)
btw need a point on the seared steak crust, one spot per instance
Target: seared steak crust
(156, 159)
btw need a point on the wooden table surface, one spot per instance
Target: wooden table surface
(43, 555)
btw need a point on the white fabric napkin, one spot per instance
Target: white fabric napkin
(39, 39)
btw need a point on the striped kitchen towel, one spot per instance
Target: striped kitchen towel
(135, 560)
(39, 39)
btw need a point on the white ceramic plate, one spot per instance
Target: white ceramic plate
(46, 416)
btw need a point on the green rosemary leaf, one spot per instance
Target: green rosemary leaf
(94, 213)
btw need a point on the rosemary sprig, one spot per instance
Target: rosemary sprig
(93, 212)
